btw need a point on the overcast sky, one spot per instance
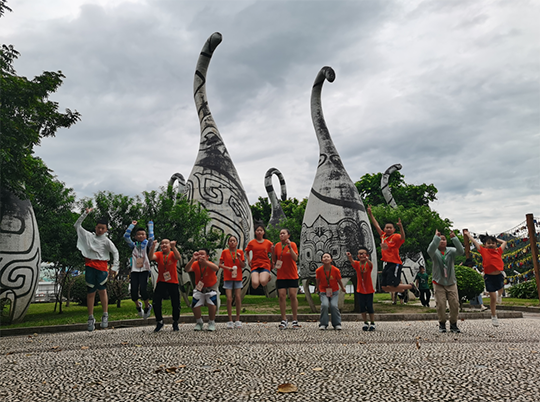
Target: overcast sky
(449, 89)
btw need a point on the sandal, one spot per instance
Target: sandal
(295, 325)
(283, 324)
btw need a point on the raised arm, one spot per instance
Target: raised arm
(349, 256)
(194, 257)
(175, 251)
(374, 221)
(401, 230)
(82, 218)
(503, 244)
(152, 254)
(434, 244)
(127, 234)
(151, 231)
(460, 250)
(473, 241)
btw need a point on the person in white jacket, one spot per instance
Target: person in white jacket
(96, 249)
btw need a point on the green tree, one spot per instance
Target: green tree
(26, 116)
(293, 210)
(406, 195)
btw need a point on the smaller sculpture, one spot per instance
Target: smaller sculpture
(277, 214)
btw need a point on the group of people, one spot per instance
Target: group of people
(261, 256)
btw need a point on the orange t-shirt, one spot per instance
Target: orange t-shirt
(334, 277)
(260, 254)
(492, 260)
(166, 267)
(207, 273)
(391, 254)
(288, 269)
(230, 259)
(364, 284)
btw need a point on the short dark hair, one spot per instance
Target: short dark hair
(103, 221)
(485, 238)
(139, 229)
(390, 223)
(206, 251)
(328, 254)
(260, 225)
(362, 248)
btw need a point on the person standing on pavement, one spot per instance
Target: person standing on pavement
(422, 284)
(328, 283)
(444, 278)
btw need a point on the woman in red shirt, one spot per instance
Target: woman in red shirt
(328, 282)
(284, 258)
(259, 261)
(232, 262)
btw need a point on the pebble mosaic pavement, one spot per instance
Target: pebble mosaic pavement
(400, 361)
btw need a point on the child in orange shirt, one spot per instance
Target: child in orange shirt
(364, 287)
(284, 258)
(390, 244)
(232, 262)
(259, 262)
(493, 268)
(328, 282)
(205, 292)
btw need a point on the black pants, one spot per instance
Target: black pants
(425, 295)
(139, 281)
(162, 288)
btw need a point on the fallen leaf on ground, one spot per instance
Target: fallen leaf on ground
(417, 344)
(28, 354)
(317, 369)
(124, 343)
(181, 366)
(216, 370)
(362, 343)
(302, 373)
(85, 347)
(179, 381)
(287, 388)
(138, 346)
(534, 351)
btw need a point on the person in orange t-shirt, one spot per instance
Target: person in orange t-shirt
(390, 244)
(493, 269)
(284, 258)
(167, 281)
(259, 262)
(205, 292)
(364, 287)
(328, 282)
(232, 262)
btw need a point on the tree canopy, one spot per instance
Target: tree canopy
(26, 116)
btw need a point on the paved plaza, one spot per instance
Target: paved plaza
(400, 361)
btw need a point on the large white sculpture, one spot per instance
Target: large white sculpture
(20, 255)
(214, 181)
(335, 219)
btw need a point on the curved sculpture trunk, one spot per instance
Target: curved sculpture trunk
(385, 188)
(214, 181)
(20, 255)
(335, 219)
(277, 214)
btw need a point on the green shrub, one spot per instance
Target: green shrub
(525, 290)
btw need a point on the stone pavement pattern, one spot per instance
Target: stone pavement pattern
(400, 361)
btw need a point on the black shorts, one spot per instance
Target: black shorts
(494, 282)
(391, 274)
(286, 283)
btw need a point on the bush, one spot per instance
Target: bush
(114, 291)
(525, 290)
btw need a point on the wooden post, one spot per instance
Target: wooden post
(534, 250)
(467, 245)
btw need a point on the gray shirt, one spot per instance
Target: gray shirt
(443, 265)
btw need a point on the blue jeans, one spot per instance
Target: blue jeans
(334, 310)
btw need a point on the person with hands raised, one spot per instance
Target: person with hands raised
(96, 249)
(259, 261)
(493, 268)
(284, 257)
(444, 278)
(205, 292)
(232, 261)
(167, 281)
(390, 244)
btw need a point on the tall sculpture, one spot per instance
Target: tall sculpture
(214, 181)
(335, 219)
(277, 214)
(20, 254)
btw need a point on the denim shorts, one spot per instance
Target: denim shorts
(260, 270)
(232, 285)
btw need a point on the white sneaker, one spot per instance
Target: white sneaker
(495, 321)
(139, 309)
(337, 327)
(91, 323)
(230, 325)
(238, 324)
(104, 320)
(499, 299)
(147, 312)
(322, 327)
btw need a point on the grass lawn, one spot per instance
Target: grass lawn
(41, 314)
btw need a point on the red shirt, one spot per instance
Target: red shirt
(364, 284)
(334, 277)
(288, 269)
(230, 259)
(166, 267)
(392, 253)
(492, 260)
(209, 277)
(100, 265)
(260, 254)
